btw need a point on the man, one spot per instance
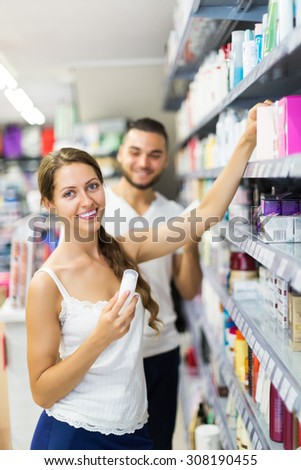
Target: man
(132, 204)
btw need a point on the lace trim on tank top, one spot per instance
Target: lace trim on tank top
(84, 304)
(119, 429)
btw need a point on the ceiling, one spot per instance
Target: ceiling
(46, 43)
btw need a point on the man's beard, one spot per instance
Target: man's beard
(142, 186)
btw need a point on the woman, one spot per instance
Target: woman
(84, 359)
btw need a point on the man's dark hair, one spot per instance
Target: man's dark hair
(149, 125)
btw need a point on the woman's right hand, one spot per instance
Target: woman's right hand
(251, 125)
(111, 325)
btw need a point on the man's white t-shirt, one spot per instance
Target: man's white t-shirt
(121, 218)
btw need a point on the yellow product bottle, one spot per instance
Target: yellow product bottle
(240, 356)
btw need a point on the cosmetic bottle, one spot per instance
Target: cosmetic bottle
(285, 15)
(270, 39)
(258, 41)
(236, 75)
(276, 415)
(288, 429)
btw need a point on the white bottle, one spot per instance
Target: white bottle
(128, 282)
(298, 11)
(285, 18)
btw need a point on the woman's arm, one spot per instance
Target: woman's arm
(179, 231)
(187, 272)
(50, 379)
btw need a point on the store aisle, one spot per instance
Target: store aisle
(179, 439)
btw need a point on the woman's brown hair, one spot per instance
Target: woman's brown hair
(109, 246)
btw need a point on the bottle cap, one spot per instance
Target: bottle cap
(239, 335)
(237, 35)
(241, 261)
(258, 29)
(249, 36)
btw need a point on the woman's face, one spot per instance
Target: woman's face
(78, 198)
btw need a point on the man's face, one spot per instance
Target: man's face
(143, 157)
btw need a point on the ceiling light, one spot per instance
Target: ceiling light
(33, 116)
(23, 104)
(6, 79)
(19, 99)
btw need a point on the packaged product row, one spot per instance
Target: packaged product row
(278, 135)
(222, 70)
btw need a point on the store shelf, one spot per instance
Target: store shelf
(228, 438)
(194, 321)
(233, 10)
(190, 393)
(275, 76)
(214, 21)
(283, 259)
(286, 167)
(9, 314)
(252, 420)
(27, 164)
(269, 342)
(208, 174)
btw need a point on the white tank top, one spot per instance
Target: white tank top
(111, 398)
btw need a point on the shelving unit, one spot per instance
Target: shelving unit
(283, 259)
(219, 406)
(203, 379)
(286, 167)
(277, 75)
(8, 314)
(216, 20)
(27, 164)
(269, 343)
(251, 418)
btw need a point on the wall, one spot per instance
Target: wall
(132, 91)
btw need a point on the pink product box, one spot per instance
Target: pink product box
(289, 125)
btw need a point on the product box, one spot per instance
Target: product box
(290, 206)
(297, 229)
(12, 142)
(289, 125)
(273, 229)
(272, 301)
(245, 290)
(279, 229)
(294, 320)
(270, 204)
(267, 145)
(282, 302)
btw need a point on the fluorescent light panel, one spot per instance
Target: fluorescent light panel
(19, 99)
(6, 79)
(33, 116)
